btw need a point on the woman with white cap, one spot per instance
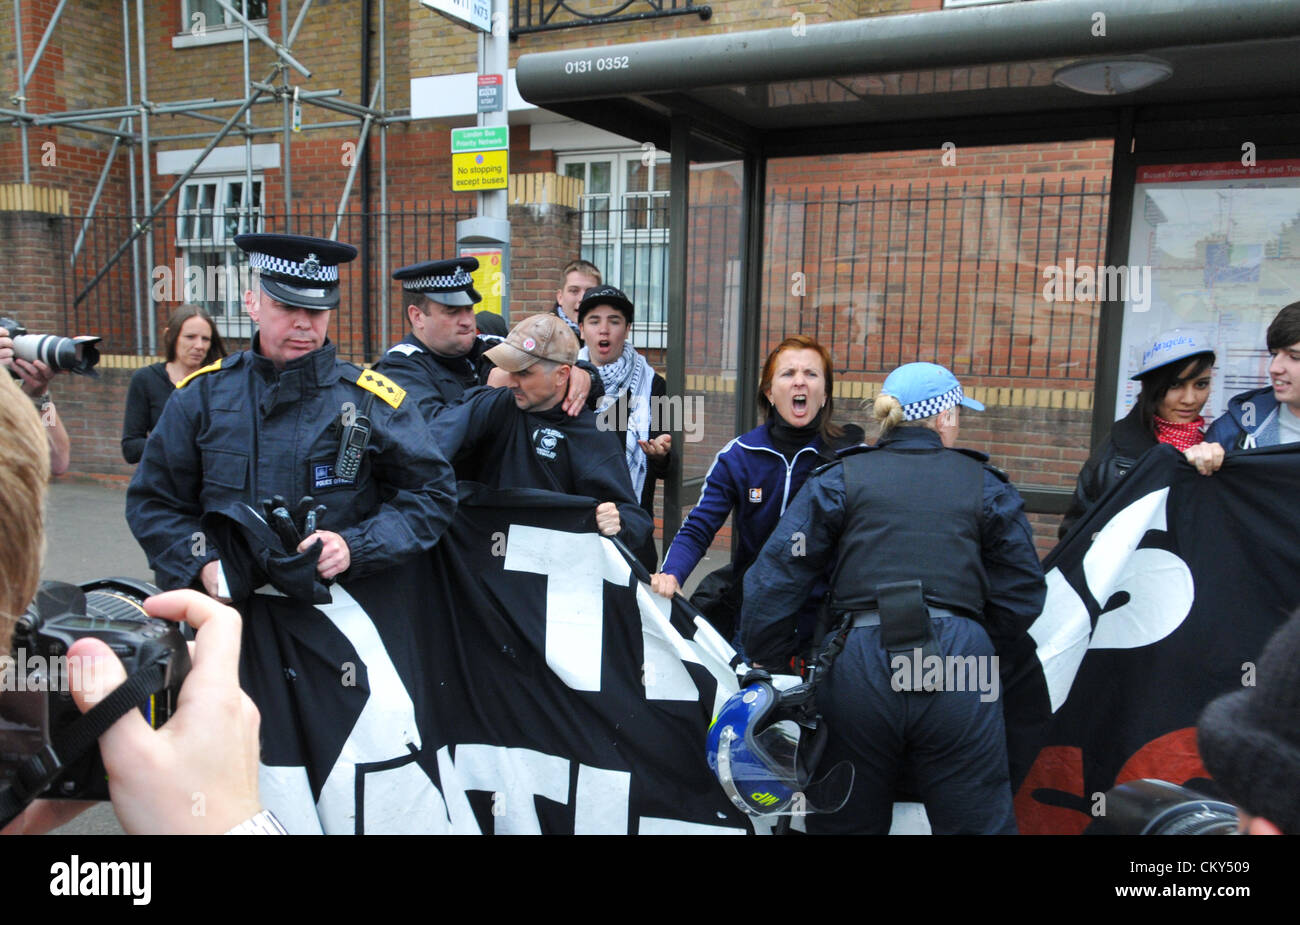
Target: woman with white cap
(1175, 375)
(931, 558)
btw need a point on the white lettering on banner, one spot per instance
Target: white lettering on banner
(576, 566)
(1158, 583)
(601, 805)
(519, 775)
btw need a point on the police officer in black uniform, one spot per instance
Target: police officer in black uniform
(934, 573)
(443, 356)
(289, 418)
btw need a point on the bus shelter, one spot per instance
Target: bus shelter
(1024, 192)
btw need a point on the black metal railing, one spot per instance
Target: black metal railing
(550, 15)
(99, 293)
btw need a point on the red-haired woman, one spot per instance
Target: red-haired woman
(757, 475)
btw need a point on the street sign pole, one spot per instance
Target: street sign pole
(487, 236)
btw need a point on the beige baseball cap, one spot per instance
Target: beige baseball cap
(537, 337)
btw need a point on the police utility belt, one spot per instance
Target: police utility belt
(904, 620)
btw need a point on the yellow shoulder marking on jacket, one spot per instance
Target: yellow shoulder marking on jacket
(211, 367)
(382, 386)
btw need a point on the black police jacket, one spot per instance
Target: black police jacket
(242, 430)
(432, 381)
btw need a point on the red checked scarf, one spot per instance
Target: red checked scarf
(1182, 436)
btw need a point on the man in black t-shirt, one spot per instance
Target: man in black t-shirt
(518, 435)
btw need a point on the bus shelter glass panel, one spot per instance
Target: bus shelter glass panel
(948, 256)
(713, 291)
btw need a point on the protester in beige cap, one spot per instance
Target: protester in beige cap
(515, 434)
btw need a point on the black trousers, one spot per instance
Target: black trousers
(949, 747)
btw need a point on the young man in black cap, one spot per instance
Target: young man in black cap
(518, 436)
(444, 355)
(289, 418)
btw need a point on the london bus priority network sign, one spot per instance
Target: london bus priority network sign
(480, 158)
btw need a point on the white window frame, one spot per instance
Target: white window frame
(611, 241)
(190, 213)
(228, 30)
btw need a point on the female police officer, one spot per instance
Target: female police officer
(935, 570)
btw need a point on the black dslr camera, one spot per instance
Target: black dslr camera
(38, 755)
(74, 354)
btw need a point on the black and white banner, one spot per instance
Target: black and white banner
(519, 679)
(1158, 601)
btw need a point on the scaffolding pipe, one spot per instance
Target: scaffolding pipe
(383, 179)
(22, 86)
(137, 293)
(246, 194)
(286, 157)
(146, 171)
(265, 130)
(356, 161)
(94, 198)
(45, 39)
(142, 226)
(281, 52)
(297, 23)
(302, 94)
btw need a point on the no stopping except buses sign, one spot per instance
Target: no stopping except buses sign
(479, 158)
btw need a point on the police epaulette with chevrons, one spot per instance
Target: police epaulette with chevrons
(377, 383)
(210, 368)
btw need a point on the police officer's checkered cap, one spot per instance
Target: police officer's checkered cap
(458, 279)
(310, 270)
(932, 406)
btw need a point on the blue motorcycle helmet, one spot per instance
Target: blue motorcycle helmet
(754, 749)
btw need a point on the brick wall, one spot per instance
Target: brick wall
(544, 239)
(91, 410)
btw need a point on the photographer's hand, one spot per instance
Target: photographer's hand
(198, 773)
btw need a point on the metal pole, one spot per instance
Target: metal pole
(494, 58)
(22, 86)
(297, 23)
(286, 142)
(352, 171)
(264, 130)
(94, 198)
(246, 194)
(136, 284)
(142, 226)
(98, 130)
(383, 178)
(146, 170)
(678, 262)
(281, 52)
(40, 49)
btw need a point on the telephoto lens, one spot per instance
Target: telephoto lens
(70, 354)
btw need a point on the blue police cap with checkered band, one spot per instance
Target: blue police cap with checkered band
(925, 389)
(445, 281)
(296, 269)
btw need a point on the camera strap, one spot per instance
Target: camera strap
(36, 773)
